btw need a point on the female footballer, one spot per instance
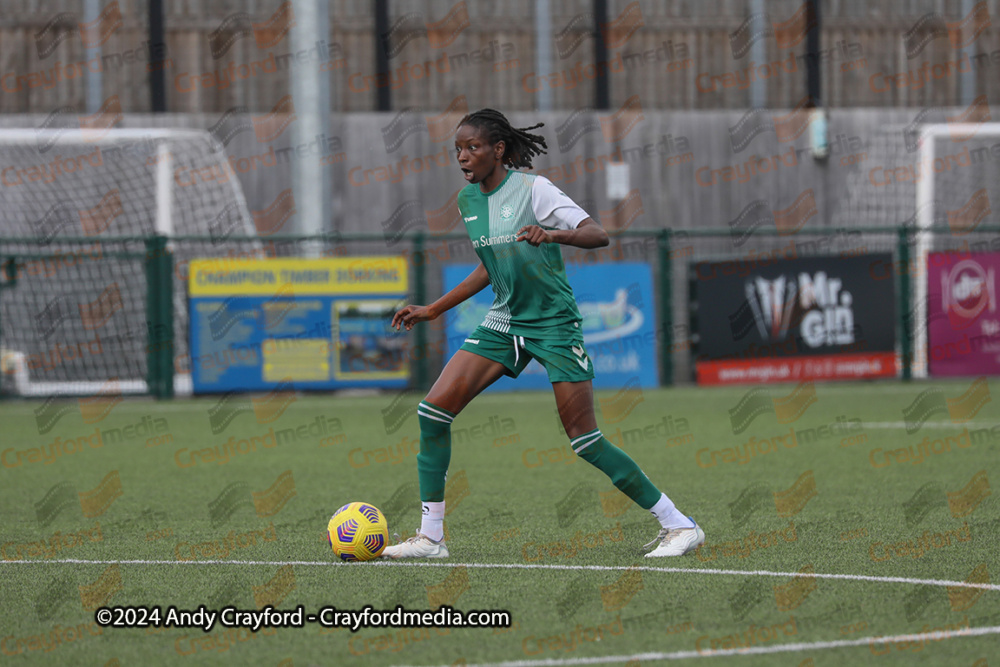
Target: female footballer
(515, 221)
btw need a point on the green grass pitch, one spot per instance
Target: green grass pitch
(823, 483)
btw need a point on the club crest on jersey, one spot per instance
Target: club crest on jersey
(506, 211)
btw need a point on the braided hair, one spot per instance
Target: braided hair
(520, 145)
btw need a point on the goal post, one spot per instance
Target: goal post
(88, 218)
(958, 177)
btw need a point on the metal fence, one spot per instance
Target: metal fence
(72, 311)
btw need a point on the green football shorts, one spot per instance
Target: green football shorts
(564, 359)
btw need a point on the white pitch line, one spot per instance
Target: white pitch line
(526, 566)
(753, 650)
(927, 424)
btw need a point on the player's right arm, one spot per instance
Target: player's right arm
(472, 285)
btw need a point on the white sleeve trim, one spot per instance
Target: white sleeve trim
(553, 208)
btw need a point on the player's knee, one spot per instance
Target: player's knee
(444, 401)
(588, 447)
(435, 431)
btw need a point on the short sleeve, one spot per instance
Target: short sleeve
(552, 208)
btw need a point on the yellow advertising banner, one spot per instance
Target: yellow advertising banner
(300, 277)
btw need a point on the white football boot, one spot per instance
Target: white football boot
(677, 541)
(418, 546)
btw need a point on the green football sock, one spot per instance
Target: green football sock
(435, 450)
(599, 452)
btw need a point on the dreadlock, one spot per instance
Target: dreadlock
(521, 146)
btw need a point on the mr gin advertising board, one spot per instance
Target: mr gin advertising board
(792, 320)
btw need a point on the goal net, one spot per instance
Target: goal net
(955, 198)
(75, 208)
(938, 174)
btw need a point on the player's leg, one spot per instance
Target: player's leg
(570, 370)
(464, 377)
(575, 400)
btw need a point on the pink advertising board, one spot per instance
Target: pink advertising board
(963, 323)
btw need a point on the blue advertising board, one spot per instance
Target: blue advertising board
(616, 302)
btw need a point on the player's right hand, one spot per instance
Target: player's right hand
(410, 315)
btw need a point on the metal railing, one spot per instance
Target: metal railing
(669, 252)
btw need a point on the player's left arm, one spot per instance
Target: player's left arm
(588, 234)
(560, 220)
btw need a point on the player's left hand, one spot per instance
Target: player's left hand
(534, 235)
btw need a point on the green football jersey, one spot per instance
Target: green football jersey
(532, 295)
